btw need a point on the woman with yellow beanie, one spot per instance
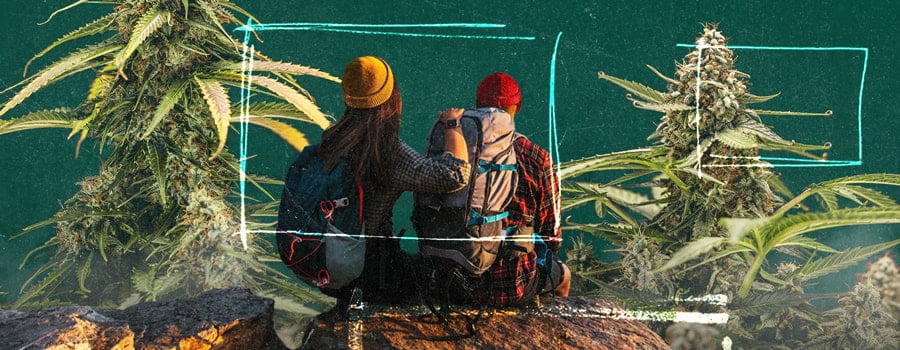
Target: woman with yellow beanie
(367, 135)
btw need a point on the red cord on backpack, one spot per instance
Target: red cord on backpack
(327, 208)
(359, 188)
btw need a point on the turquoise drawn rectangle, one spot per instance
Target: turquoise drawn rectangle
(810, 163)
(365, 29)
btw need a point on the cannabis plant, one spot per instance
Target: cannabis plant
(156, 221)
(699, 212)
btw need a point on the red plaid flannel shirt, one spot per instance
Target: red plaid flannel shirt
(536, 197)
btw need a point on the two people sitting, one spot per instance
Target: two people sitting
(366, 138)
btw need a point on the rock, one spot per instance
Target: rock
(221, 319)
(236, 319)
(569, 323)
(69, 327)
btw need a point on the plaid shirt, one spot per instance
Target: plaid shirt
(534, 202)
(417, 173)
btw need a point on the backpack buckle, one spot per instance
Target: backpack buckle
(341, 202)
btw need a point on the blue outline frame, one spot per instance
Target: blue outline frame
(365, 29)
(810, 163)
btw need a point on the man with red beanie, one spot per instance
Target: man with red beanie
(525, 268)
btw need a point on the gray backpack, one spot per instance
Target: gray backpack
(465, 226)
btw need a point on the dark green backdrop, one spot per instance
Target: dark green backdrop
(593, 116)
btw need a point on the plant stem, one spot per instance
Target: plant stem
(751, 275)
(792, 203)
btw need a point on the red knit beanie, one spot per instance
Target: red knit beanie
(498, 90)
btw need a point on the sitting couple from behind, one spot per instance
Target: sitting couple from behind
(486, 202)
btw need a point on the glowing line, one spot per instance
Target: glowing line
(516, 238)
(781, 48)
(339, 27)
(862, 83)
(246, 73)
(247, 76)
(818, 162)
(714, 299)
(307, 25)
(423, 35)
(778, 158)
(553, 144)
(756, 165)
(656, 316)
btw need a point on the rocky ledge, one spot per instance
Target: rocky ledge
(236, 319)
(218, 319)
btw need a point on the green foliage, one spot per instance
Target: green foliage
(157, 221)
(698, 214)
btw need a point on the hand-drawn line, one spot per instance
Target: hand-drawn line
(247, 71)
(800, 162)
(587, 312)
(655, 316)
(343, 28)
(818, 162)
(288, 26)
(516, 238)
(553, 143)
(246, 81)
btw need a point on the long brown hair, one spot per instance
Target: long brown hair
(368, 138)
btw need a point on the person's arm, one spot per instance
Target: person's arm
(454, 142)
(441, 174)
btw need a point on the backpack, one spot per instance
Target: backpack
(465, 226)
(321, 234)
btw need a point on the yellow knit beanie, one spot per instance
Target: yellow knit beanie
(367, 83)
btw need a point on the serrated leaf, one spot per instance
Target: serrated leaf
(736, 139)
(158, 168)
(219, 108)
(829, 200)
(97, 26)
(871, 196)
(166, 104)
(759, 304)
(100, 86)
(610, 161)
(148, 24)
(878, 179)
(693, 250)
(277, 110)
(296, 99)
(640, 90)
(284, 67)
(630, 298)
(83, 272)
(738, 228)
(842, 260)
(52, 118)
(287, 132)
(74, 63)
(747, 98)
(661, 107)
(760, 130)
(210, 12)
(782, 229)
(805, 243)
(231, 6)
(73, 216)
(634, 200)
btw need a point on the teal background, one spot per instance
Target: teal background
(618, 37)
